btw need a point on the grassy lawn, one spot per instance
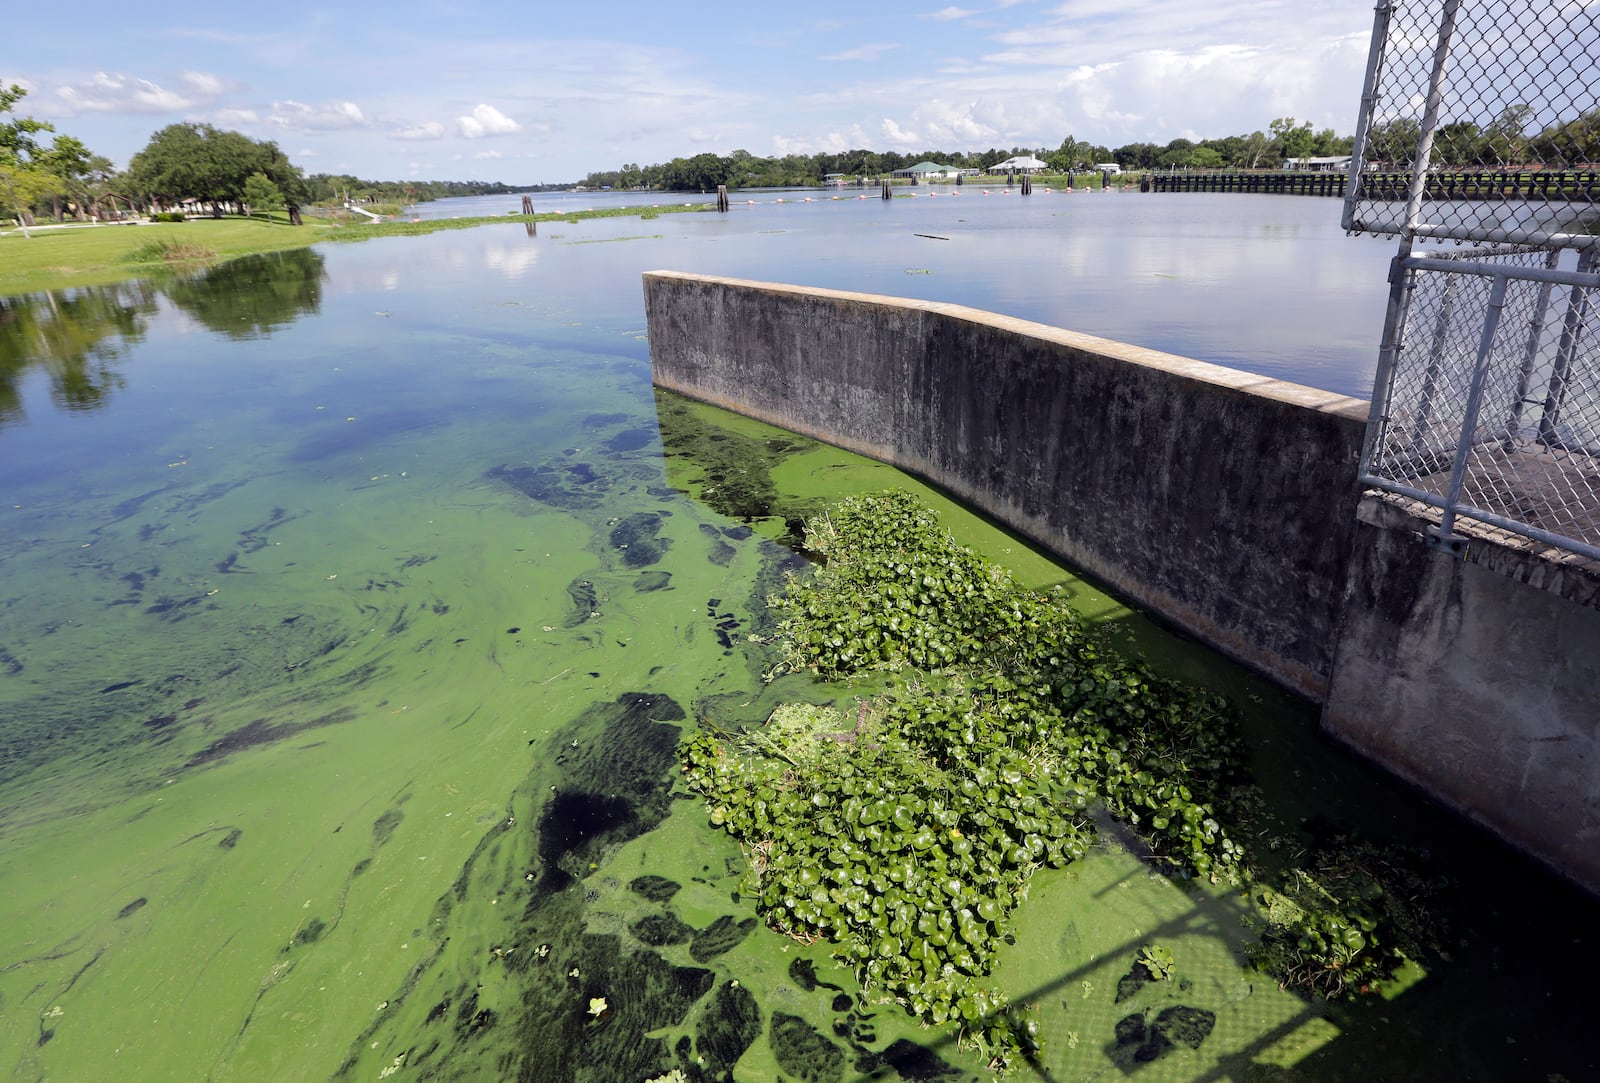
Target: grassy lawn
(55, 258)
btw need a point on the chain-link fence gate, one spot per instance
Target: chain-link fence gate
(1487, 400)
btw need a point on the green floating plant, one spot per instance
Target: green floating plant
(903, 829)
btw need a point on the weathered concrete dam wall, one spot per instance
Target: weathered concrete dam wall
(1224, 502)
(1219, 499)
(1477, 678)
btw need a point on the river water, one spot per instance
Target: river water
(350, 608)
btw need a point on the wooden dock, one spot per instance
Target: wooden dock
(1539, 185)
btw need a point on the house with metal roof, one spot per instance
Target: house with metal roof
(1025, 163)
(928, 171)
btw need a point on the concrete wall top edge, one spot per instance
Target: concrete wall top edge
(1523, 560)
(1310, 398)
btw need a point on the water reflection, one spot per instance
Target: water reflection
(74, 336)
(253, 296)
(78, 336)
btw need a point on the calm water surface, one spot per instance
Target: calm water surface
(350, 611)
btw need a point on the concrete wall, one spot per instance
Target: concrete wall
(1478, 679)
(1224, 502)
(1219, 499)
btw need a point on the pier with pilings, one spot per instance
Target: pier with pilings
(1538, 185)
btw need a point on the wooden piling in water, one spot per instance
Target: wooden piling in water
(527, 204)
(1027, 185)
(886, 193)
(722, 198)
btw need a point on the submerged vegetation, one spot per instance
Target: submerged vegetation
(990, 731)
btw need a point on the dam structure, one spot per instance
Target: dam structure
(1424, 567)
(1228, 504)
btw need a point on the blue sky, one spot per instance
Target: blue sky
(437, 90)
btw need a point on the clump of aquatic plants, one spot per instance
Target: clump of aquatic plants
(1346, 918)
(857, 837)
(1018, 669)
(903, 828)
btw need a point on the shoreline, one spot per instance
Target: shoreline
(67, 254)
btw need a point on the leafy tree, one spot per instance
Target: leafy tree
(1291, 140)
(23, 178)
(1066, 158)
(1394, 142)
(69, 162)
(199, 162)
(1569, 142)
(1137, 155)
(1176, 154)
(1459, 143)
(260, 194)
(1506, 138)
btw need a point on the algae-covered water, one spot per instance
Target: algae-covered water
(352, 605)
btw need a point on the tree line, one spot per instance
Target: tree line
(1508, 140)
(1284, 139)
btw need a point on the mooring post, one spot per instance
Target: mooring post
(527, 204)
(959, 178)
(1027, 185)
(886, 194)
(722, 197)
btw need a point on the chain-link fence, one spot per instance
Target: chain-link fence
(1493, 411)
(1480, 120)
(1481, 123)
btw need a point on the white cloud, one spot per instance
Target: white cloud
(948, 13)
(431, 129)
(229, 118)
(486, 120)
(863, 52)
(203, 83)
(330, 116)
(488, 154)
(898, 136)
(113, 92)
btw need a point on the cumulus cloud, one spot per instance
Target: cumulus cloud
(228, 118)
(948, 13)
(330, 116)
(864, 52)
(836, 142)
(898, 136)
(486, 120)
(203, 83)
(430, 129)
(114, 92)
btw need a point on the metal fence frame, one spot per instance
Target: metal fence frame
(1439, 374)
